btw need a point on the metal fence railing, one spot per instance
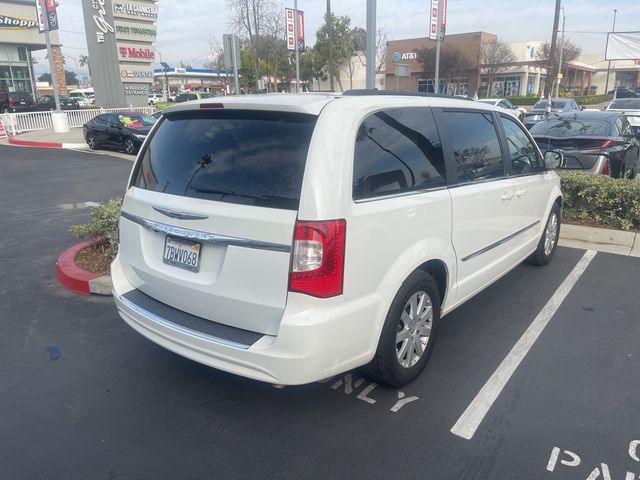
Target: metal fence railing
(15, 123)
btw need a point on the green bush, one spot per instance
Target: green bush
(588, 100)
(103, 226)
(601, 200)
(161, 105)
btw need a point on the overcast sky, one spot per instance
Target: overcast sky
(185, 26)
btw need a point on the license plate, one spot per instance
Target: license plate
(182, 253)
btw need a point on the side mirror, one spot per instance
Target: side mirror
(581, 107)
(553, 159)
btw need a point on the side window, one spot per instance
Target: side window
(397, 150)
(508, 104)
(618, 130)
(626, 128)
(99, 120)
(503, 104)
(476, 148)
(523, 154)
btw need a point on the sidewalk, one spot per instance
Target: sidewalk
(50, 139)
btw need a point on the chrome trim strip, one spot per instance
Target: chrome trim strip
(180, 215)
(499, 242)
(200, 236)
(152, 316)
(400, 194)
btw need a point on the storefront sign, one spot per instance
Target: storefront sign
(135, 10)
(14, 23)
(139, 53)
(137, 89)
(102, 26)
(136, 74)
(140, 32)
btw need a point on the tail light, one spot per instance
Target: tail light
(607, 143)
(317, 267)
(10, 102)
(606, 170)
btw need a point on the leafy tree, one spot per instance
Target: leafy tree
(341, 47)
(70, 77)
(83, 60)
(45, 77)
(496, 58)
(570, 52)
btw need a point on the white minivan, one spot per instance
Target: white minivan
(289, 238)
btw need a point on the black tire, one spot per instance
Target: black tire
(130, 146)
(542, 255)
(91, 141)
(385, 368)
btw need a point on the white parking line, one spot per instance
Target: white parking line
(469, 421)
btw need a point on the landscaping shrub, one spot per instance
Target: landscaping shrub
(586, 100)
(601, 200)
(103, 226)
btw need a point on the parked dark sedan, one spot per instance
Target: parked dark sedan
(558, 105)
(622, 92)
(11, 102)
(46, 102)
(593, 142)
(119, 131)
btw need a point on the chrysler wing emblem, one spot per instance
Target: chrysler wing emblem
(180, 215)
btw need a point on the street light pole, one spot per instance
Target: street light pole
(47, 39)
(560, 56)
(613, 29)
(371, 44)
(330, 28)
(438, 42)
(295, 43)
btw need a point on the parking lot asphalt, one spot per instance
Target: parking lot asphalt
(82, 396)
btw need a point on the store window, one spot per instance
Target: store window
(15, 74)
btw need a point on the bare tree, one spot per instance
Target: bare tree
(453, 63)
(215, 59)
(570, 52)
(496, 58)
(249, 18)
(275, 42)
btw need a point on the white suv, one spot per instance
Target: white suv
(289, 238)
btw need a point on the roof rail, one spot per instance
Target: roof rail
(357, 92)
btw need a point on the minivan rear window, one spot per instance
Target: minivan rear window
(235, 156)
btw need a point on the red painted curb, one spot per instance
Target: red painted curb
(29, 143)
(72, 276)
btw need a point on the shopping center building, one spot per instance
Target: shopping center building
(526, 75)
(19, 37)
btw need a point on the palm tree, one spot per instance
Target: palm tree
(83, 60)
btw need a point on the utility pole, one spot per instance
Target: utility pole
(552, 50)
(295, 42)
(613, 29)
(371, 44)
(438, 42)
(47, 38)
(560, 56)
(330, 27)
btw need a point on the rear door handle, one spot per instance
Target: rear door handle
(507, 196)
(521, 193)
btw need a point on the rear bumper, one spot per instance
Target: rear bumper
(318, 338)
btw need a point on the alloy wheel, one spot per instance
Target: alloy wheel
(551, 234)
(414, 329)
(129, 147)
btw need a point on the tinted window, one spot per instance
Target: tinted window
(397, 150)
(542, 104)
(523, 154)
(571, 128)
(246, 157)
(626, 104)
(475, 143)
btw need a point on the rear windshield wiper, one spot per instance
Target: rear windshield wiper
(242, 195)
